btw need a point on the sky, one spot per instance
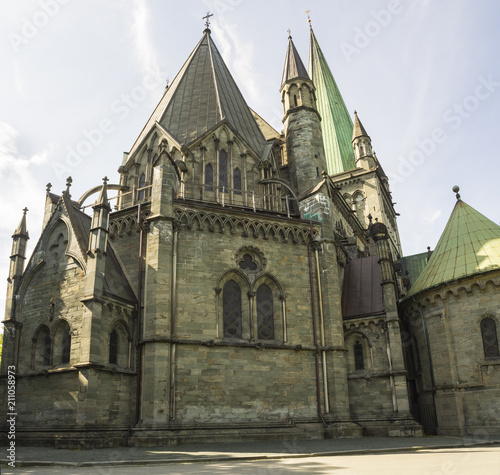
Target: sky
(80, 79)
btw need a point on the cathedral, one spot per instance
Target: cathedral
(237, 282)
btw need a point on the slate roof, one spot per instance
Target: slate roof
(294, 67)
(202, 95)
(336, 123)
(469, 245)
(362, 288)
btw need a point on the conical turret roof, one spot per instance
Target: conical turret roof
(22, 229)
(358, 130)
(336, 124)
(202, 95)
(469, 245)
(294, 67)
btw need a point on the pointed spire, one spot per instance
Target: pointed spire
(358, 129)
(22, 230)
(336, 123)
(201, 96)
(294, 67)
(103, 201)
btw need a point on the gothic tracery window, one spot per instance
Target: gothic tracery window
(237, 182)
(231, 310)
(209, 177)
(113, 347)
(265, 314)
(223, 171)
(142, 184)
(359, 362)
(489, 336)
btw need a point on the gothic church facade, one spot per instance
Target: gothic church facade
(243, 283)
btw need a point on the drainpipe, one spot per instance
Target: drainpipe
(322, 331)
(138, 345)
(313, 306)
(391, 377)
(173, 311)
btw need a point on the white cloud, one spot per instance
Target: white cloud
(10, 158)
(141, 25)
(431, 216)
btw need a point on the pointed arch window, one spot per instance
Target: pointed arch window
(66, 346)
(265, 313)
(62, 344)
(223, 171)
(113, 347)
(209, 177)
(231, 310)
(359, 361)
(237, 182)
(489, 336)
(142, 184)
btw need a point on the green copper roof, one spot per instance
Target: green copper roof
(469, 245)
(336, 124)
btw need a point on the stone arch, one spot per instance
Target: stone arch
(119, 344)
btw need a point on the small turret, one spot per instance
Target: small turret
(98, 242)
(362, 145)
(17, 258)
(100, 222)
(304, 141)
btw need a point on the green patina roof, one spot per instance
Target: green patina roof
(336, 124)
(469, 245)
(414, 265)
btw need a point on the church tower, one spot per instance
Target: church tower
(304, 141)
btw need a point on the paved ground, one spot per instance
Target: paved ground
(221, 452)
(457, 461)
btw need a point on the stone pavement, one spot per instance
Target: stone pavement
(223, 451)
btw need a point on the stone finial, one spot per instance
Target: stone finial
(25, 210)
(456, 189)
(69, 181)
(48, 187)
(105, 180)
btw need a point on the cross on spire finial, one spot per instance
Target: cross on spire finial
(49, 186)
(105, 180)
(207, 17)
(25, 210)
(289, 33)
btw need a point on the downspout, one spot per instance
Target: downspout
(138, 346)
(313, 307)
(322, 331)
(173, 310)
(391, 374)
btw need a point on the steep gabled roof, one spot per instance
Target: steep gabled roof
(201, 96)
(469, 245)
(336, 123)
(294, 67)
